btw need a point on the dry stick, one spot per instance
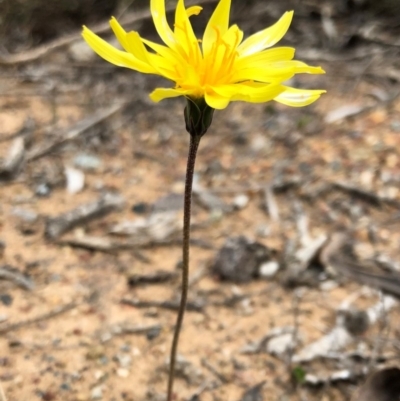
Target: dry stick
(37, 52)
(78, 129)
(191, 160)
(55, 312)
(2, 395)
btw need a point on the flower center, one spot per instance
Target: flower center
(202, 70)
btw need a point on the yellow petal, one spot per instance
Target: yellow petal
(303, 68)
(184, 34)
(267, 56)
(194, 10)
(165, 93)
(267, 73)
(216, 101)
(233, 36)
(267, 37)
(298, 97)
(249, 91)
(119, 32)
(113, 55)
(219, 21)
(157, 9)
(164, 51)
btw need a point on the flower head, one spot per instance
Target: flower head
(219, 68)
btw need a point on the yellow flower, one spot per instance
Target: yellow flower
(221, 67)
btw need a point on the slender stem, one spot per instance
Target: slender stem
(191, 160)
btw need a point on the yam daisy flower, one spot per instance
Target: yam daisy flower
(210, 72)
(220, 67)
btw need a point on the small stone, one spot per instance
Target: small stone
(280, 344)
(24, 214)
(65, 387)
(153, 333)
(104, 360)
(124, 360)
(121, 372)
(125, 348)
(6, 299)
(240, 201)
(87, 162)
(140, 208)
(42, 190)
(99, 374)
(269, 269)
(96, 393)
(75, 180)
(263, 231)
(95, 352)
(136, 351)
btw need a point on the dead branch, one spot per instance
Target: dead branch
(11, 274)
(59, 310)
(172, 305)
(44, 148)
(58, 225)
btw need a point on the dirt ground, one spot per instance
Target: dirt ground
(76, 326)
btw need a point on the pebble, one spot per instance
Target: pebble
(96, 393)
(269, 269)
(263, 231)
(75, 180)
(65, 387)
(95, 352)
(140, 208)
(6, 299)
(121, 372)
(99, 374)
(153, 333)
(26, 215)
(87, 162)
(42, 190)
(125, 348)
(280, 344)
(136, 351)
(240, 201)
(124, 360)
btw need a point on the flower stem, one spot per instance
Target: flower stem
(191, 160)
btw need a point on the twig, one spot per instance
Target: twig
(59, 310)
(129, 329)
(9, 273)
(109, 245)
(40, 51)
(214, 371)
(77, 130)
(367, 196)
(2, 395)
(60, 224)
(172, 305)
